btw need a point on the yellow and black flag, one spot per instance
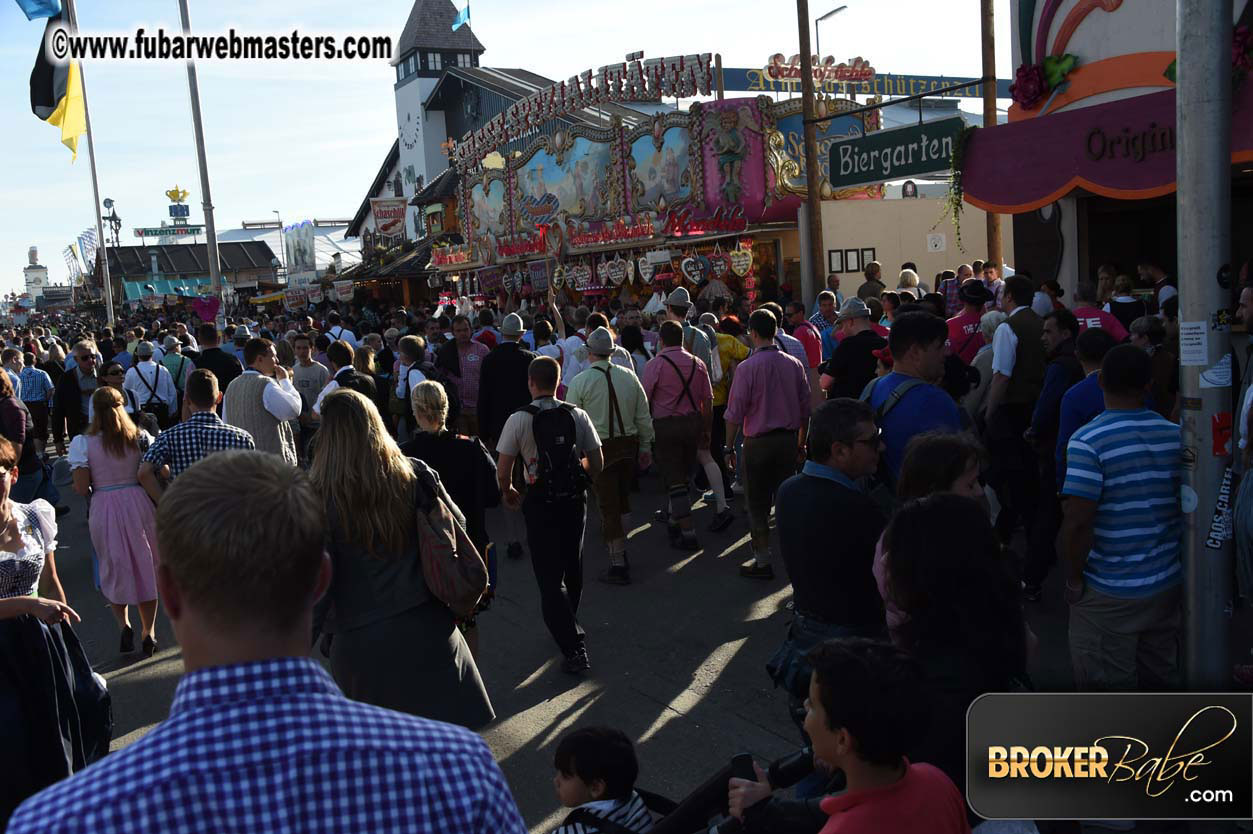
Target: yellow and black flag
(56, 92)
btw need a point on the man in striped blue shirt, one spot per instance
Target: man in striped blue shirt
(1121, 536)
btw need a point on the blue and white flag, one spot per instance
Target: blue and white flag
(71, 262)
(463, 13)
(87, 247)
(39, 8)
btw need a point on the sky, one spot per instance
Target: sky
(306, 139)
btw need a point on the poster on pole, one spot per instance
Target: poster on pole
(343, 290)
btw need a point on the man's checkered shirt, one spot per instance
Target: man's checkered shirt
(274, 746)
(199, 436)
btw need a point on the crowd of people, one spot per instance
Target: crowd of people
(948, 435)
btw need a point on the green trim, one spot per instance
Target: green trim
(1026, 17)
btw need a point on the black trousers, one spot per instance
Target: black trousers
(1014, 473)
(1042, 536)
(554, 535)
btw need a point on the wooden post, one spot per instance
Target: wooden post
(989, 115)
(721, 85)
(813, 200)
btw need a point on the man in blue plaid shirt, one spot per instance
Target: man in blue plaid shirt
(259, 738)
(201, 433)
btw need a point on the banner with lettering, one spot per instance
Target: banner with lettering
(389, 215)
(314, 294)
(343, 290)
(293, 299)
(537, 272)
(490, 280)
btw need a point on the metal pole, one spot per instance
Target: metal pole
(720, 91)
(1203, 159)
(102, 252)
(812, 165)
(210, 231)
(989, 116)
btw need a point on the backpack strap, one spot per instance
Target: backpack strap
(614, 409)
(182, 364)
(898, 394)
(687, 384)
(152, 392)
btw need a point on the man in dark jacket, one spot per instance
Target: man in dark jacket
(225, 366)
(1063, 370)
(73, 392)
(503, 380)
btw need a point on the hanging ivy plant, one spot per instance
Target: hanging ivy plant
(951, 208)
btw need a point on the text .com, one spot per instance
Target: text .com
(158, 45)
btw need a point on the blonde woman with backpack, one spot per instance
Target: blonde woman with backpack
(392, 642)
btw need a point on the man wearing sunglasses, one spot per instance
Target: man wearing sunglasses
(73, 394)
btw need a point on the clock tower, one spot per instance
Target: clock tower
(428, 47)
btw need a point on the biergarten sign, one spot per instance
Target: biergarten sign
(895, 154)
(632, 81)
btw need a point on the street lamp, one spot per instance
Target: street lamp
(281, 245)
(115, 222)
(817, 38)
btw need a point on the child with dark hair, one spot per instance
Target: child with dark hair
(863, 713)
(596, 771)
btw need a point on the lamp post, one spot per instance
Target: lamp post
(281, 244)
(817, 37)
(115, 222)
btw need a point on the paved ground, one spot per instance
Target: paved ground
(677, 659)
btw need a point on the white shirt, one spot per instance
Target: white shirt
(340, 332)
(1005, 347)
(330, 386)
(572, 364)
(148, 374)
(281, 399)
(406, 381)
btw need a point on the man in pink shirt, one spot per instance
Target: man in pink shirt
(1090, 314)
(964, 336)
(470, 356)
(770, 398)
(680, 398)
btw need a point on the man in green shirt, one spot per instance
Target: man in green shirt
(614, 400)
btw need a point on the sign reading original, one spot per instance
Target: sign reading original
(895, 154)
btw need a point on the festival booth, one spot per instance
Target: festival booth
(681, 198)
(1094, 112)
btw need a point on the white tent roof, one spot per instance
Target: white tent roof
(328, 240)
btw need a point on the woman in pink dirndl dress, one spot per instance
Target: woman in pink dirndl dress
(122, 518)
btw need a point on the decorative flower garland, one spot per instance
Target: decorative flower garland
(951, 208)
(1033, 82)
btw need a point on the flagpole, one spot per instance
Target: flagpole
(211, 235)
(102, 253)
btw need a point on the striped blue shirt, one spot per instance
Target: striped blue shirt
(1128, 463)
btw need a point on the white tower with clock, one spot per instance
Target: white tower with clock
(428, 46)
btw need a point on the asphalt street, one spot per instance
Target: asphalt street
(677, 657)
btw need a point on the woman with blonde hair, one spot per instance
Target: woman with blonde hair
(393, 644)
(465, 468)
(123, 523)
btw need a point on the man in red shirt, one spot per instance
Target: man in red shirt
(964, 336)
(806, 332)
(1090, 314)
(855, 683)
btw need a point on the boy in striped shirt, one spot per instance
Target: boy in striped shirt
(1121, 536)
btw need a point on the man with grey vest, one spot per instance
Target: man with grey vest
(1018, 366)
(262, 400)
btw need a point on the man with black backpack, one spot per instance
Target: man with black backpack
(560, 453)
(152, 386)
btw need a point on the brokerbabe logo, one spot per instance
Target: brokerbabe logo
(1111, 756)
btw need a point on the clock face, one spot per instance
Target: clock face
(410, 132)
